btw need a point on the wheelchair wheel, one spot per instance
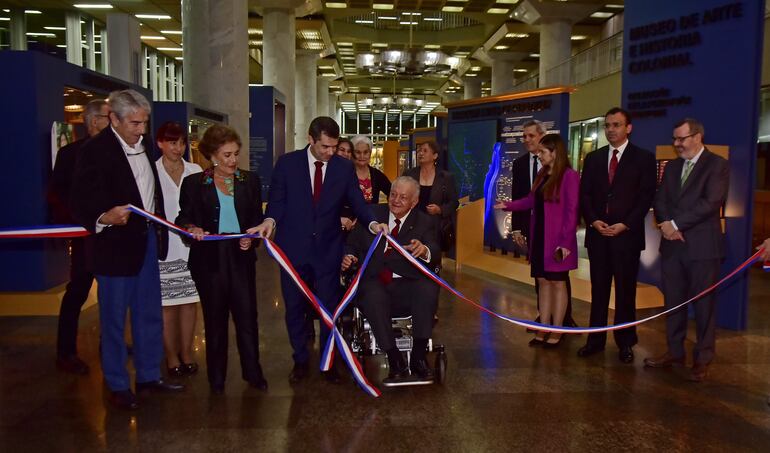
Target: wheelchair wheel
(440, 365)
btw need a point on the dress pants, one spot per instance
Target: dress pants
(683, 279)
(74, 298)
(622, 266)
(401, 297)
(230, 287)
(139, 294)
(324, 285)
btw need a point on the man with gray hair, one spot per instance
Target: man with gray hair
(391, 286)
(96, 117)
(114, 171)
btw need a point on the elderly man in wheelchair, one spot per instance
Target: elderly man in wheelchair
(393, 287)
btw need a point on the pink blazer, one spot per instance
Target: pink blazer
(560, 218)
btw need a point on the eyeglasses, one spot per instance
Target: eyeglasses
(681, 139)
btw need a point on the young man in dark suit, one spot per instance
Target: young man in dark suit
(687, 209)
(96, 117)
(113, 171)
(391, 286)
(308, 190)
(616, 192)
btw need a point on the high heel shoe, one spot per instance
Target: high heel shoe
(177, 371)
(537, 342)
(548, 345)
(189, 368)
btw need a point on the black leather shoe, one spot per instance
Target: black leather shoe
(626, 354)
(124, 399)
(589, 349)
(397, 375)
(189, 368)
(421, 369)
(332, 375)
(298, 373)
(159, 386)
(259, 383)
(72, 364)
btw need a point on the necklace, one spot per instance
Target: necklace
(228, 181)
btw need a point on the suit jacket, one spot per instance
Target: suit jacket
(521, 172)
(310, 234)
(694, 207)
(627, 200)
(103, 180)
(60, 185)
(443, 192)
(561, 217)
(199, 206)
(418, 225)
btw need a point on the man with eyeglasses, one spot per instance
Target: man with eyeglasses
(687, 208)
(616, 191)
(95, 118)
(308, 190)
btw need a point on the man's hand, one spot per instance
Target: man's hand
(766, 253)
(347, 261)
(245, 243)
(667, 228)
(197, 232)
(379, 227)
(264, 229)
(616, 229)
(417, 249)
(118, 215)
(347, 224)
(677, 236)
(433, 209)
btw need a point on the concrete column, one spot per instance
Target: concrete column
(179, 83)
(162, 78)
(72, 38)
(472, 87)
(171, 76)
(18, 30)
(502, 76)
(145, 64)
(333, 113)
(105, 69)
(91, 44)
(125, 47)
(152, 63)
(305, 96)
(195, 34)
(555, 48)
(278, 59)
(322, 97)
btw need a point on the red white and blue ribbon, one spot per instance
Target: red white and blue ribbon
(48, 231)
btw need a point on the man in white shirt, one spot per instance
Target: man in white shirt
(113, 172)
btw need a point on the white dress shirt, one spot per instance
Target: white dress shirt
(529, 167)
(177, 250)
(620, 149)
(311, 160)
(392, 224)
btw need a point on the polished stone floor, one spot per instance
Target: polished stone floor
(500, 394)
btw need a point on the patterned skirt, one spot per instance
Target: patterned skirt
(176, 284)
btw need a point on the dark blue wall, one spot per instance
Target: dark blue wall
(32, 91)
(261, 133)
(710, 70)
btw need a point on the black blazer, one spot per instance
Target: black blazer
(627, 200)
(521, 172)
(199, 206)
(694, 207)
(103, 180)
(443, 192)
(380, 183)
(60, 184)
(418, 225)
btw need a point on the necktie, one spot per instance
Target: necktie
(534, 170)
(613, 165)
(687, 169)
(317, 181)
(386, 275)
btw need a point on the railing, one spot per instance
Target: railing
(598, 61)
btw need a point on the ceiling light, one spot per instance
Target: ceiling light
(364, 21)
(387, 18)
(578, 37)
(497, 10)
(152, 38)
(534, 55)
(517, 35)
(470, 74)
(432, 46)
(32, 11)
(408, 23)
(92, 6)
(170, 49)
(345, 44)
(255, 42)
(63, 46)
(48, 28)
(476, 68)
(501, 47)
(171, 32)
(452, 9)
(382, 6)
(153, 16)
(255, 31)
(519, 70)
(314, 35)
(606, 6)
(5, 18)
(336, 5)
(379, 44)
(412, 14)
(461, 54)
(178, 58)
(313, 45)
(601, 15)
(432, 19)
(42, 35)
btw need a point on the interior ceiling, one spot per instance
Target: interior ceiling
(339, 34)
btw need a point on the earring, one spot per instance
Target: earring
(214, 163)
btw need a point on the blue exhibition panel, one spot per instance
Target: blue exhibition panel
(32, 89)
(267, 126)
(701, 59)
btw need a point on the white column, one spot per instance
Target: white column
(555, 48)
(162, 78)
(278, 59)
(18, 30)
(153, 66)
(171, 76)
(105, 52)
(471, 87)
(91, 44)
(179, 83)
(322, 97)
(195, 34)
(72, 38)
(502, 76)
(125, 47)
(333, 112)
(306, 96)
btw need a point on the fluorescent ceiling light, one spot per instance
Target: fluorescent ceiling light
(387, 18)
(534, 55)
(408, 23)
(42, 35)
(412, 14)
(578, 37)
(153, 16)
(379, 44)
(171, 32)
(470, 74)
(92, 6)
(32, 11)
(602, 15)
(336, 5)
(255, 42)
(63, 46)
(345, 44)
(519, 70)
(476, 68)
(153, 38)
(517, 35)
(49, 28)
(309, 34)
(452, 9)
(364, 21)
(497, 10)
(5, 18)
(255, 31)
(432, 19)
(501, 47)
(606, 6)
(432, 46)
(382, 6)
(507, 2)
(170, 49)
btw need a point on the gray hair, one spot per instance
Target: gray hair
(92, 109)
(410, 181)
(538, 125)
(126, 102)
(362, 139)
